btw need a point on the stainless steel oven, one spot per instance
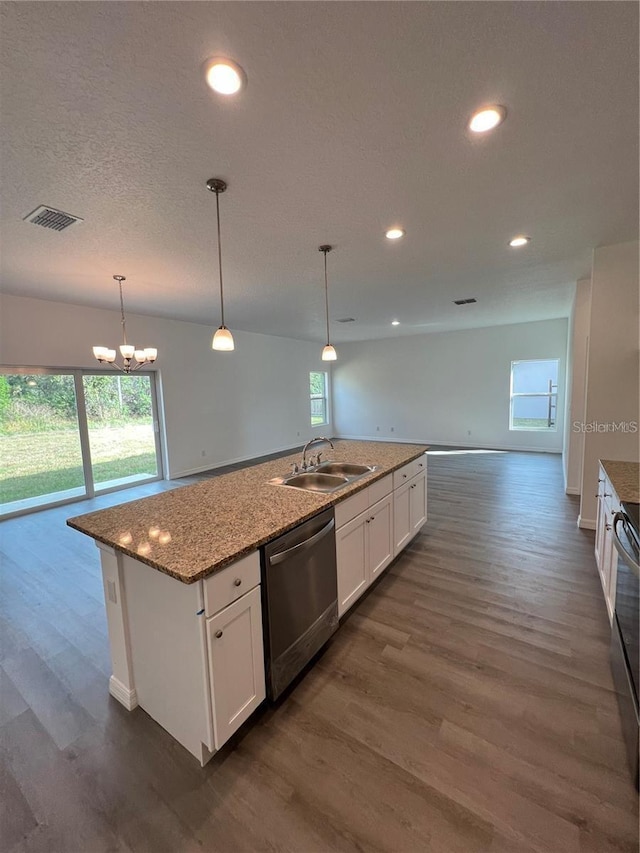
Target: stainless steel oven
(625, 633)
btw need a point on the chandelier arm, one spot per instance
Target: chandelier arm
(220, 258)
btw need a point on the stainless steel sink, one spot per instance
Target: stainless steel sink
(312, 481)
(346, 469)
(327, 477)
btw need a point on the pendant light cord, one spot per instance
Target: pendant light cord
(122, 322)
(326, 291)
(220, 257)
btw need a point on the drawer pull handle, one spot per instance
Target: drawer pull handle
(237, 582)
(218, 634)
(607, 495)
(368, 521)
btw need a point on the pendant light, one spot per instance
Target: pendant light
(128, 352)
(223, 339)
(329, 352)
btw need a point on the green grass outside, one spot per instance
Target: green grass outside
(531, 423)
(35, 464)
(317, 420)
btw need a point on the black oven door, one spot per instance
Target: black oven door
(625, 638)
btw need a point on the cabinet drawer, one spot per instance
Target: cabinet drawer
(349, 508)
(230, 583)
(402, 475)
(380, 489)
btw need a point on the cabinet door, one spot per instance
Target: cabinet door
(352, 559)
(608, 558)
(418, 502)
(609, 563)
(600, 521)
(402, 531)
(236, 664)
(380, 524)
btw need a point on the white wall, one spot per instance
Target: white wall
(578, 347)
(612, 368)
(446, 388)
(231, 405)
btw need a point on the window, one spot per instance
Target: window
(318, 397)
(66, 435)
(534, 395)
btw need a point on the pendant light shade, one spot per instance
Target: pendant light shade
(329, 352)
(223, 339)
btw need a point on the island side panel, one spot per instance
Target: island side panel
(168, 654)
(121, 683)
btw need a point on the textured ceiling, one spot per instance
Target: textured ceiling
(354, 119)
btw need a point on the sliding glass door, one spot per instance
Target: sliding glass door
(65, 435)
(40, 449)
(121, 423)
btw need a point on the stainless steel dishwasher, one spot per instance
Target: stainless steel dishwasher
(300, 598)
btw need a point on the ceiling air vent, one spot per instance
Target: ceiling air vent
(346, 320)
(464, 301)
(49, 217)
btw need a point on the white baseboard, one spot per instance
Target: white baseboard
(586, 523)
(446, 443)
(126, 697)
(572, 490)
(209, 467)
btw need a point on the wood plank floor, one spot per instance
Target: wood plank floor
(465, 705)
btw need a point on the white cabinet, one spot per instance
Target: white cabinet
(364, 547)
(418, 505)
(374, 525)
(600, 519)
(194, 652)
(351, 557)
(380, 538)
(236, 664)
(409, 510)
(605, 552)
(402, 531)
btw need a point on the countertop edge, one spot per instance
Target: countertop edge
(626, 484)
(218, 565)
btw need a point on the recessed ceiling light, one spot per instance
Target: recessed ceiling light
(520, 240)
(224, 76)
(395, 322)
(394, 233)
(487, 118)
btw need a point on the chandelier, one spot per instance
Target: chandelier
(132, 358)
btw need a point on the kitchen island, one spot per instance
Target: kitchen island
(181, 575)
(618, 482)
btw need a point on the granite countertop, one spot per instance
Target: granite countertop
(624, 477)
(192, 531)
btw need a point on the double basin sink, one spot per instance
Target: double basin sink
(326, 477)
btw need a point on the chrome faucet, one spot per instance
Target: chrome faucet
(308, 445)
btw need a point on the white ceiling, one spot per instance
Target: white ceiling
(354, 119)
